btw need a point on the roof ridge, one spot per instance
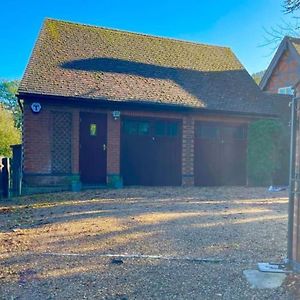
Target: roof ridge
(292, 38)
(136, 33)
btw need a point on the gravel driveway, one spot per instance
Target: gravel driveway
(174, 243)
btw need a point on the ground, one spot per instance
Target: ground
(175, 243)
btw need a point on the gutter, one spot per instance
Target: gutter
(137, 105)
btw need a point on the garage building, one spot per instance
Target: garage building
(104, 106)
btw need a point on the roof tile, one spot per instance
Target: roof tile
(91, 62)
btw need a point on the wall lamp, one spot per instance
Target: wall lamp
(116, 114)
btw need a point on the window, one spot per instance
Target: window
(208, 132)
(136, 127)
(130, 127)
(232, 132)
(93, 129)
(288, 90)
(143, 128)
(163, 128)
(159, 128)
(172, 129)
(240, 133)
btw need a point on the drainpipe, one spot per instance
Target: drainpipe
(292, 177)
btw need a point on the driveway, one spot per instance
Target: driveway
(141, 243)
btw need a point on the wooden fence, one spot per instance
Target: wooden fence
(11, 174)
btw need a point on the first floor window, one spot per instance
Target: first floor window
(287, 90)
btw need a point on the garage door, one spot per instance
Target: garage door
(151, 151)
(220, 154)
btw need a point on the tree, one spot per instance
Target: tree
(9, 134)
(258, 76)
(8, 99)
(274, 35)
(291, 5)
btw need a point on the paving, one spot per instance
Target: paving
(142, 243)
(264, 280)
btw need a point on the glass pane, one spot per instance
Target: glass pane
(172, 129)
(93, 129)
(240, 133)
(130, 127)
(143, 128)
(229, 132)
(209, 132)
(160, 128)
(234, 132)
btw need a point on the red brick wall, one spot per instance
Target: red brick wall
(36, 141)
(285, 74)
(188, 151)
(38, 134)
(113, 145)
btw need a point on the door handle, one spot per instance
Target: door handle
(104, 147)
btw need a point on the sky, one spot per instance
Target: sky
(238, 24)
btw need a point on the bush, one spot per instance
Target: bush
(9, 134)
(267, 153)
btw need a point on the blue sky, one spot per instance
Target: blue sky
(235, 23)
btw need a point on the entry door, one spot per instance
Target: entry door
(92, 162)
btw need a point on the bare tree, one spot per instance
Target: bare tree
(274, 35)
(291, 5)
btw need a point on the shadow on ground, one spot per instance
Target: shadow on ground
(239, 226)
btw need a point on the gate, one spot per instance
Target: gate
(11, 173)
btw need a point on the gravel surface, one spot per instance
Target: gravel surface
(59, 246)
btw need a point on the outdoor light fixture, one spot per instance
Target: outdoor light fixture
(116, 114)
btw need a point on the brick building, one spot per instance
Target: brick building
(284, 70)
(105, 106)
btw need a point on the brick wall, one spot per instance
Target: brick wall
(113, 145)
(38, 135)
(188, 151)
(286, 73)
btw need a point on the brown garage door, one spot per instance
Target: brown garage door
(151, 151)
(220, 154)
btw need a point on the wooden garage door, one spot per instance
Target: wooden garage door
(220, 154)
(151, 152)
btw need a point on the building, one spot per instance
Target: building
(105, 106)
(284, 70)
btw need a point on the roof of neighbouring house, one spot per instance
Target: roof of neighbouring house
(288, 43)
(88, 62)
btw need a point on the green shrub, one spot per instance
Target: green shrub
(9, 134)
(267, 151)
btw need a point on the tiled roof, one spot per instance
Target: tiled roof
(90, 62)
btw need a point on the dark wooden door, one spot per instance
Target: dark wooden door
(234, 155)
(92, 158)
(220, 154)
(151, 152)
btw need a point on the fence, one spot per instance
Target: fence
(11, 173)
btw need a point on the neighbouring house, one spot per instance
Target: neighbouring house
(105, 106)
(284, 70)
